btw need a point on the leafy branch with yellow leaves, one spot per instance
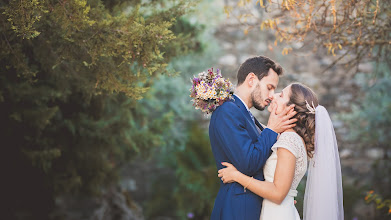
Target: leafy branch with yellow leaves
(354, 31)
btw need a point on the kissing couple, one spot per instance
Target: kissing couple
(260, 166)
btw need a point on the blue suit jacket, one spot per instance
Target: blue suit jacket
(235, 139)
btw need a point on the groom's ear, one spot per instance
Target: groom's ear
(251, 79)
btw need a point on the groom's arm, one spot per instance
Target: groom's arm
(246, 155)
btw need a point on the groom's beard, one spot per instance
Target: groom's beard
(255, 103)
(258, 107)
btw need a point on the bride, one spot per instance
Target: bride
(312, 139)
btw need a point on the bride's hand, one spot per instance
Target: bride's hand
(228, 174)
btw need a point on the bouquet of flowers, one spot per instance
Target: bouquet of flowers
(210, 90)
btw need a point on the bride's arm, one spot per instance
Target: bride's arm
(275, 191)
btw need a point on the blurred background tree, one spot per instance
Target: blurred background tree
(369, 125)
(188, 192)
(71, 74)
(352, 31)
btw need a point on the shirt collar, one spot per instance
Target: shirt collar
(242, 102)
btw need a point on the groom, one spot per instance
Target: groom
(238, 138)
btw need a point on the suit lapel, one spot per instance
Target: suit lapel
(258, 124)
(243, 108)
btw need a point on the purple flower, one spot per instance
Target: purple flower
(196, 81)
(190, 215)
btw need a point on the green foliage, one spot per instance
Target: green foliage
(369, 124)
(370, 119)
(373, 115)
(70, 74)
(192, 183)
(113, 50)
(194, 186)
(197, 182)
(162, 202)
(351, 195)
(166, 97)
(32, 12)
(170, 95)
(300, 196)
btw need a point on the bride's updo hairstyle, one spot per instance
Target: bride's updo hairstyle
(305, 125)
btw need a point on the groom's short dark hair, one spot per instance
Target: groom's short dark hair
(259, 65)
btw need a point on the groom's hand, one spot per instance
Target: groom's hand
(282, 121)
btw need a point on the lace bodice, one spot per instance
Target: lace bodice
(292, 142)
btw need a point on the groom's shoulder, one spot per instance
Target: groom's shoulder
(229, 111)
(228, 107)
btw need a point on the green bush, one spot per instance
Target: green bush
(369, 124)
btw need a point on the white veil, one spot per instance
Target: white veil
(323, 198)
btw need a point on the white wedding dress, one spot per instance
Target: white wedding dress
(286, 210)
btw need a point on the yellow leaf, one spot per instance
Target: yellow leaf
(275, 43)
(286, 51)
(292, 2)
(340, 47)
(227, 10)
(262, 25)
(245, 31)
(285, 2)
(261, 4)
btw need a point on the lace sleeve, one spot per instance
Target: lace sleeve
(289, 141)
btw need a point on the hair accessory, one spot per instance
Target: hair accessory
(310, 109)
